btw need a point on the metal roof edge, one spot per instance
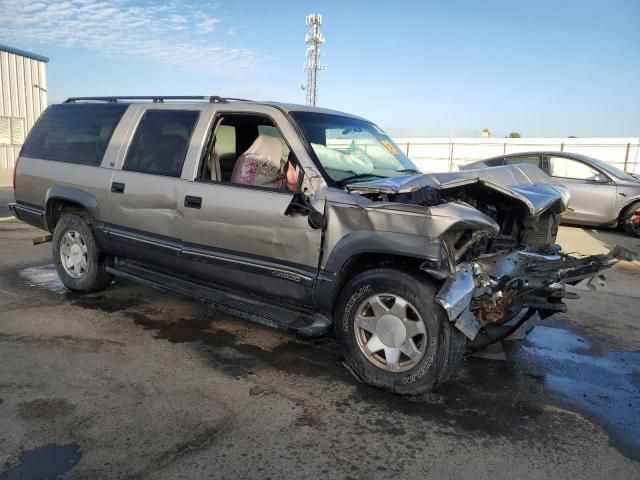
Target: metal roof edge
(24, 53)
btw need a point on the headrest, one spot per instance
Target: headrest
(267, 149)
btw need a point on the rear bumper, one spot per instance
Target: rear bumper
(29, 214)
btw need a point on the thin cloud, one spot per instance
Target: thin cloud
(176, 34)
(208, 25)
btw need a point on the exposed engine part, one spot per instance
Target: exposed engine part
(494, 308)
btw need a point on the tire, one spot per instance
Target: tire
(630, 221)
(444, 345)
(86, 263)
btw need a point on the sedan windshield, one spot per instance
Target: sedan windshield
(352, 150)
(610, 169)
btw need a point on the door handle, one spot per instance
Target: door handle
(117, 187)
(192, 202)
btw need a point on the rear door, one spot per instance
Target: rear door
(237, 235)
(593, 194)
(532, 159)
(144, 215)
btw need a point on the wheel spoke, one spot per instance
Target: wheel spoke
(410, 350)
(399, 308)
(65, 249)
(374, 344)
(379, 308)
(414, 327)
(83, 262)
(366, 323)
(392, 355)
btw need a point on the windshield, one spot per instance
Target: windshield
(352, 150)
(610, 169)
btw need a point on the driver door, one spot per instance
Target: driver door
(592, 201)
(237, 235)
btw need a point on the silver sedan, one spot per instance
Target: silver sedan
(601, 194)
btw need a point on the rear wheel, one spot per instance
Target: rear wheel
(394, 335)
(631, 220)
(80, 263)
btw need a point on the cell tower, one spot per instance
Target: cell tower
(312, 65)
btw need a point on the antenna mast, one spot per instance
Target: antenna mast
(312, 65)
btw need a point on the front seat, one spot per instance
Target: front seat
(260, 164)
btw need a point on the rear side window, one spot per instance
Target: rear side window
(530, 159)
(160, 143)
(74, 133)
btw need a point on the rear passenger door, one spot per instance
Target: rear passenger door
(144, 217)
(531, 159)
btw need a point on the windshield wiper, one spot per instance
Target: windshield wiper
(359, 176)
(408, 170)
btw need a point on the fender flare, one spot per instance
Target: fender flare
(627, 205)
(380, 242)
(362, 242)
(71, 194)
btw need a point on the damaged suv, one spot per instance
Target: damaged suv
(299, 218)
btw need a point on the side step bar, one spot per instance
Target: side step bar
(302, 322)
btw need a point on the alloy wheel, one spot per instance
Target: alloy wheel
(390, 332)
(73, 254)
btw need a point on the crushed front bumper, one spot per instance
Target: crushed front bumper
(494, 288)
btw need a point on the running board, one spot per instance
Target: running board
(300, 321)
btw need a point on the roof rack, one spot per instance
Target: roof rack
(155, 99)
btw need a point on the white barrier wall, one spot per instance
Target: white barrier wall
(445, 154)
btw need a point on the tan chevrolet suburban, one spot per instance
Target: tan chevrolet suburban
(300, 218)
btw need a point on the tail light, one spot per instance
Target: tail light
(15, 169)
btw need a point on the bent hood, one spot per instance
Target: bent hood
(523, 182)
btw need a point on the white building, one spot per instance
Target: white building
(23, 97)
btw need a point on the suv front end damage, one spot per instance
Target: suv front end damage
(495, 288)
(498, 257)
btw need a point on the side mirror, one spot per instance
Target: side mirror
(599, 178)
(300, 205)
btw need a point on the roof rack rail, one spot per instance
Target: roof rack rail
(155, 99)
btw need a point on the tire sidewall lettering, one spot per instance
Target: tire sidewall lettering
(355, 298)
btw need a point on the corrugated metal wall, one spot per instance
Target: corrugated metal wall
(19, 98)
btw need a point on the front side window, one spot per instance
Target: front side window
(250, 150)
(160, 143)
(75, 133)
(350, 149)
(568, 168)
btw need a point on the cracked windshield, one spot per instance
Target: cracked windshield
(350, 149)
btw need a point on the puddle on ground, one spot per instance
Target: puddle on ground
(603, 385)
(44, 277)
(233, 357)
(44, 463)
(108, 303)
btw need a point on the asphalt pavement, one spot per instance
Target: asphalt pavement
(6, 196)
(132, 382)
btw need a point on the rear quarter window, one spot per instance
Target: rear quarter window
(73, 133)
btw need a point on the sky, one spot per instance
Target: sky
(416, 68)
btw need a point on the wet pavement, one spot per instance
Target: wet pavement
(134, 382)
(6, 196)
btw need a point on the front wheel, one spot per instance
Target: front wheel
(80, 263)
(631, 220)
(394, 335)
